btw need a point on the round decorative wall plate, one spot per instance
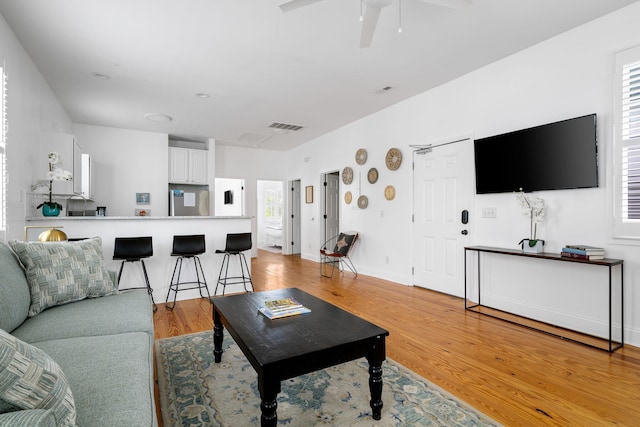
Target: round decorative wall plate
(347, 175)
(389, 192)
(363, 202)
(361, 156)
(348, 197)
(393, 159)
(372, 175)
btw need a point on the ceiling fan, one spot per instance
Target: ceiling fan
(372, 12)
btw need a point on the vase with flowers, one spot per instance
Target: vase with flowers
(55, 173)
(533, 207)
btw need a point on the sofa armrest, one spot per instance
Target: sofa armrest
(28, 417)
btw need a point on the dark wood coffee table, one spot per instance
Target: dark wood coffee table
(285, 348)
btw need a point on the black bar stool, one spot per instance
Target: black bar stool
(236, 244)
(134, 249)
(187, 247)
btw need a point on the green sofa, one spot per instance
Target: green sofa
(102, 343)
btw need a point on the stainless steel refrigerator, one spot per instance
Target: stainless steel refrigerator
(188, 200)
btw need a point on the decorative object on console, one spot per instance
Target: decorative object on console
(372, 175)
(56, 173)
(582, 252)
(393, 159)
(347, 175)
(51, 234)
(143, 212)
(361, 156)
(533, 207)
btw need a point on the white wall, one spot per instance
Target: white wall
(127, 162)
(32, 109)
(250, 164)
(567, 76)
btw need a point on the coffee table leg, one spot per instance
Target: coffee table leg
(217, 337)
(269, 389)
(375, 358)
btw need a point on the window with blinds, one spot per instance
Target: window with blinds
(627, 144)
(3, 142)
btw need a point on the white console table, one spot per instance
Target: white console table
(609, 344)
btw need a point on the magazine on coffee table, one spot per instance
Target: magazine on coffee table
(285, 307)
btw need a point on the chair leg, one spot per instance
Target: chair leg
(171, 285)
(248, 276)
(120, 274)
(198, 265)
(225, 260)
(149, 289)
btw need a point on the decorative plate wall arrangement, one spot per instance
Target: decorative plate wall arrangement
(361, 156)
(363, 202)
(372, 175)
(348, 197)
(389, 192)
(393, 159)
(347, 175)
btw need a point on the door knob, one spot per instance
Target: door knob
(465, 232)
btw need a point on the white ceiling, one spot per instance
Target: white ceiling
(261, 65)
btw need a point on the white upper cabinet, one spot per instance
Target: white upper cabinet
(187, 166)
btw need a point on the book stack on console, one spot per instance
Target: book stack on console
(582, 252)
(285, 307)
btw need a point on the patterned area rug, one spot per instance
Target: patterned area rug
(195, 391)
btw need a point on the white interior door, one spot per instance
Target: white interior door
(295, 218)
(331, 205)
(444, 187)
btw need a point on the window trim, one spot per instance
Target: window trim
(621, 227)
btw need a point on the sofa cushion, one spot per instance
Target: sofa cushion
(62, 272)
(111, 377)
(14, 290)
(30, 379)
(126, 311)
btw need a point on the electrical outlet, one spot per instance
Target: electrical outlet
(489, 212)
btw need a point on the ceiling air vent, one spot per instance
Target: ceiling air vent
(285, 126)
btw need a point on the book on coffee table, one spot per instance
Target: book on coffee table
(276, 309)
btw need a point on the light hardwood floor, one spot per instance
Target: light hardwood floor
(517, 376)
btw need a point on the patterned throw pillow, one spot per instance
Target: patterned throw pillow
(30, 379)
(62, 272)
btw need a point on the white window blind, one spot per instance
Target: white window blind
(3, 145)
(627, 144)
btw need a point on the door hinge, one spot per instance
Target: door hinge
(413, 272)
(326, 183)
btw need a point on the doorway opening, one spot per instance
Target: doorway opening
(270, 215)
(331, 208)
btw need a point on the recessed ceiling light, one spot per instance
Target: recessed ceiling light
(158, 117)
(100, 76)
(203, 95)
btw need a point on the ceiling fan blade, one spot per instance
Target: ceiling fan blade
(451, 4)
(369, 24)
(295, 4)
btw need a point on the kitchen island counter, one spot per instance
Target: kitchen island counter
(161, 229)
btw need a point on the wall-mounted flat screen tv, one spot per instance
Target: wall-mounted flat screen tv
(555, 156)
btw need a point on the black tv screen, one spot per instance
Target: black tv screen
(554, 156)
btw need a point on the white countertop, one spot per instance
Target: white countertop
(135, 218)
